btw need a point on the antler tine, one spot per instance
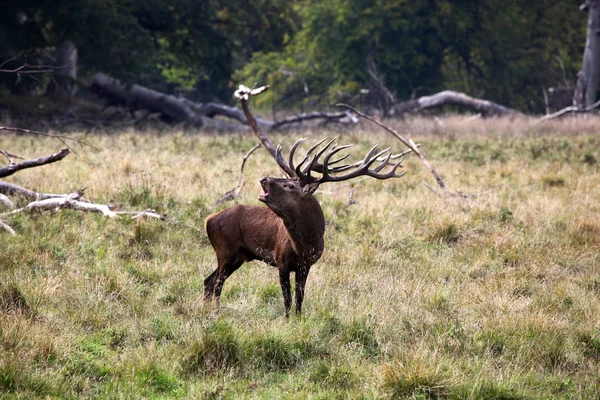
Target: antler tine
(339, 168)
(363, 167)
(392, 173)
(292, 151)
(314, 163)
(342, 168)
(305, 159)
(286, 168)
(385, 161)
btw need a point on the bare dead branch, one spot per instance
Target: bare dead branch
(328, 117)
(62, 138)
(7, 227)
(140, 214)
(235, 192)
(70, 201)
(6, 201)
(407, 142)
(10, 156)
(15, 190)
(12, 168)
(243, 93)
(566, 110)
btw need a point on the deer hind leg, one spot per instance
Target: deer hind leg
(284, 280)
(225, 271)
(301, 276)
(209, 285)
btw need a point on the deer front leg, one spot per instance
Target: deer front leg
(284, 280)
(301, 276)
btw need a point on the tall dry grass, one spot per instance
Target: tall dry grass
(416, 296)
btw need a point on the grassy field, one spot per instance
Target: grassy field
(416, 296)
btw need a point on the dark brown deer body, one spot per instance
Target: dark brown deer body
(288, 233)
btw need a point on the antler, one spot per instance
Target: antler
(328, 171)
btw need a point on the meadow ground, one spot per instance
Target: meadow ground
(416, 296)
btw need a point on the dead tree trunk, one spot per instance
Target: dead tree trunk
(66, 68)
(587, 78)
(139, 97)
(485, 107)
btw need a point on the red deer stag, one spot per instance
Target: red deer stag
(288, 233)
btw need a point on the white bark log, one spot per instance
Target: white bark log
(71, 201)
(15, 190)
(485, 107)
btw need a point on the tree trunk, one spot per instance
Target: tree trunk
(66, 67)
(587, 78)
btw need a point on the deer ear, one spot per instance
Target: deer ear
(310, 188)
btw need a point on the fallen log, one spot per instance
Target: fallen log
(485, 107)
(137, 97)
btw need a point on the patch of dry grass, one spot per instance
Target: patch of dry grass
(415, 296)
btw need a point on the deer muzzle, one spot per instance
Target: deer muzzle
(264, 182)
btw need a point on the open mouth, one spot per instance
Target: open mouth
(265, 195)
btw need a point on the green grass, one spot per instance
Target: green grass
(416, 296)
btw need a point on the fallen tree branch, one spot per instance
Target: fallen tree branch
(178, 109)
(69, 201)
(15, 190)
(328, 117)
(7, 227)
(74, 201)
(10, 156)
(415, 148)
(485, 107)
(153, 214)
(14, 167)
(567, 110)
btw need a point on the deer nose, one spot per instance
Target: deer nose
(263, 180)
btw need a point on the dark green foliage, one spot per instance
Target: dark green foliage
(159, 43)
(312, 51)
(505, 51)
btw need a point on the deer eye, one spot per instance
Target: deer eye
(290, 186)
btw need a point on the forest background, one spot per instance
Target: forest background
(313, 53)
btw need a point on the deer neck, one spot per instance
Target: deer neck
(306, 226)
